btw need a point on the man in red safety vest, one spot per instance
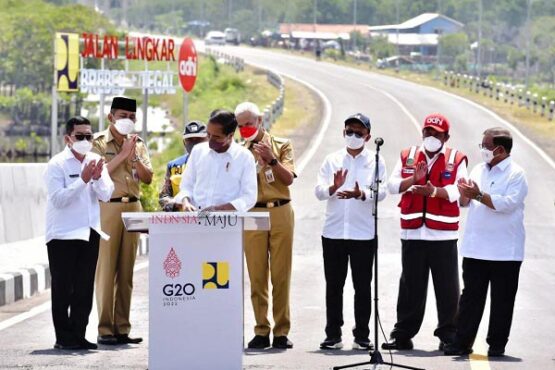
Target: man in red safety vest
(426, 176)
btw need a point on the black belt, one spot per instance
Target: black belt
(124, 200)
(276, 203)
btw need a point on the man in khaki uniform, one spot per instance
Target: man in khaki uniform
(269, 252)
(128, 163)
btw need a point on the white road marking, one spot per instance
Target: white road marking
(45, 307)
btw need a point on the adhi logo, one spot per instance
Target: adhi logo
(172, 264)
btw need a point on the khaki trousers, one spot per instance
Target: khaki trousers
(269, 253)
(114, 270)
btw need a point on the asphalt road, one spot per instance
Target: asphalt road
(395, 108)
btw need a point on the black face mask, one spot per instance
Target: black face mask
(218, 146)
(189, 147)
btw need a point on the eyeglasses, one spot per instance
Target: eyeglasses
(351, 132)
(482, 146)
(81, 137)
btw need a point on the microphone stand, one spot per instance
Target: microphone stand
(375, 355)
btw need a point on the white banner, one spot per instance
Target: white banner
(196, 293)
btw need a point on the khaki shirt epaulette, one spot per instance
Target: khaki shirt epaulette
(124, 183)
(283, 150)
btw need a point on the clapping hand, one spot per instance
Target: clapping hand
(98, 170)
(425, 190)
(348, 194)
(468, 188)
(264, 152)
(420, 171)
(88, 171)
(128, 147)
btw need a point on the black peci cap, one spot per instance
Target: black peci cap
(127, 104)
(194, 129)
(359, 118)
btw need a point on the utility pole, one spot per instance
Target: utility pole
(259, 15)
(355, 12)
(479, 51)
(230, 9)
(315, 15)
(397, 31)
(529, 5)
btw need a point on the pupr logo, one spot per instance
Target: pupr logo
(172, 264)
(215, 275)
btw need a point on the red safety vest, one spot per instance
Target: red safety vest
(435, 213)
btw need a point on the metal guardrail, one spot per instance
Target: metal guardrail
(510, 94)
(272, 111)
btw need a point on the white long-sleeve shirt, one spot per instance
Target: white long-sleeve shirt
(425, 233)
(497, 234)
(72, 207)
(350, 219)
(212, 178)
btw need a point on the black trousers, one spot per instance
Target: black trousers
(419, 258)
(72, 267)
(502, 276)
(338, 253)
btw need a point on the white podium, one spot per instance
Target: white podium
(196, 287)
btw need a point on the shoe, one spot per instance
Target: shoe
(398, 344)
(66, 346)
(126, 339)
(108, 340)
(441, 346)
(85, 344)
(363, 344)
(282, 342)
(496, 351)
(452, 349)
(331, 343)
(259, 342)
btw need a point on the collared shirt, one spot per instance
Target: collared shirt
(497, 234)
(72, 207)
(350, 219)
(212, 178)
(270, 188)
(125, 184)
(425, 233)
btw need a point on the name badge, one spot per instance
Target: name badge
(74, 175)
(408, 170)
(447, 174)
(269, 176)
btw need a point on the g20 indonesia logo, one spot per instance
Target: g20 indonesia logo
(215, 275)
(172, 264)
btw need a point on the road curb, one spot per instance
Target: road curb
(26, 282)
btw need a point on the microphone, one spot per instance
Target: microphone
(378, 141)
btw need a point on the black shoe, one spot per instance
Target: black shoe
(441, 345)
(282, 342)
(331, 343)
(363, 344)
(259, 342)
(126, 339)
(108, 340)
(398, 344)
(452, 349)
(85, 344)
(496, 351)
(67, 346)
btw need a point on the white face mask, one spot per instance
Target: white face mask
(432, 144)
(124, 126)
(487, 155)
(354, 142)
(82, 146)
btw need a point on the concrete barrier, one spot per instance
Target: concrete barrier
(22, 201)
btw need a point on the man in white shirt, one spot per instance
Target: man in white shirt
(426, 177)
(220, 174)
(76, 180)
(493, 244)
(345, 181)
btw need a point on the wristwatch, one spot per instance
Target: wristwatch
(479, 197)
(273, 162)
